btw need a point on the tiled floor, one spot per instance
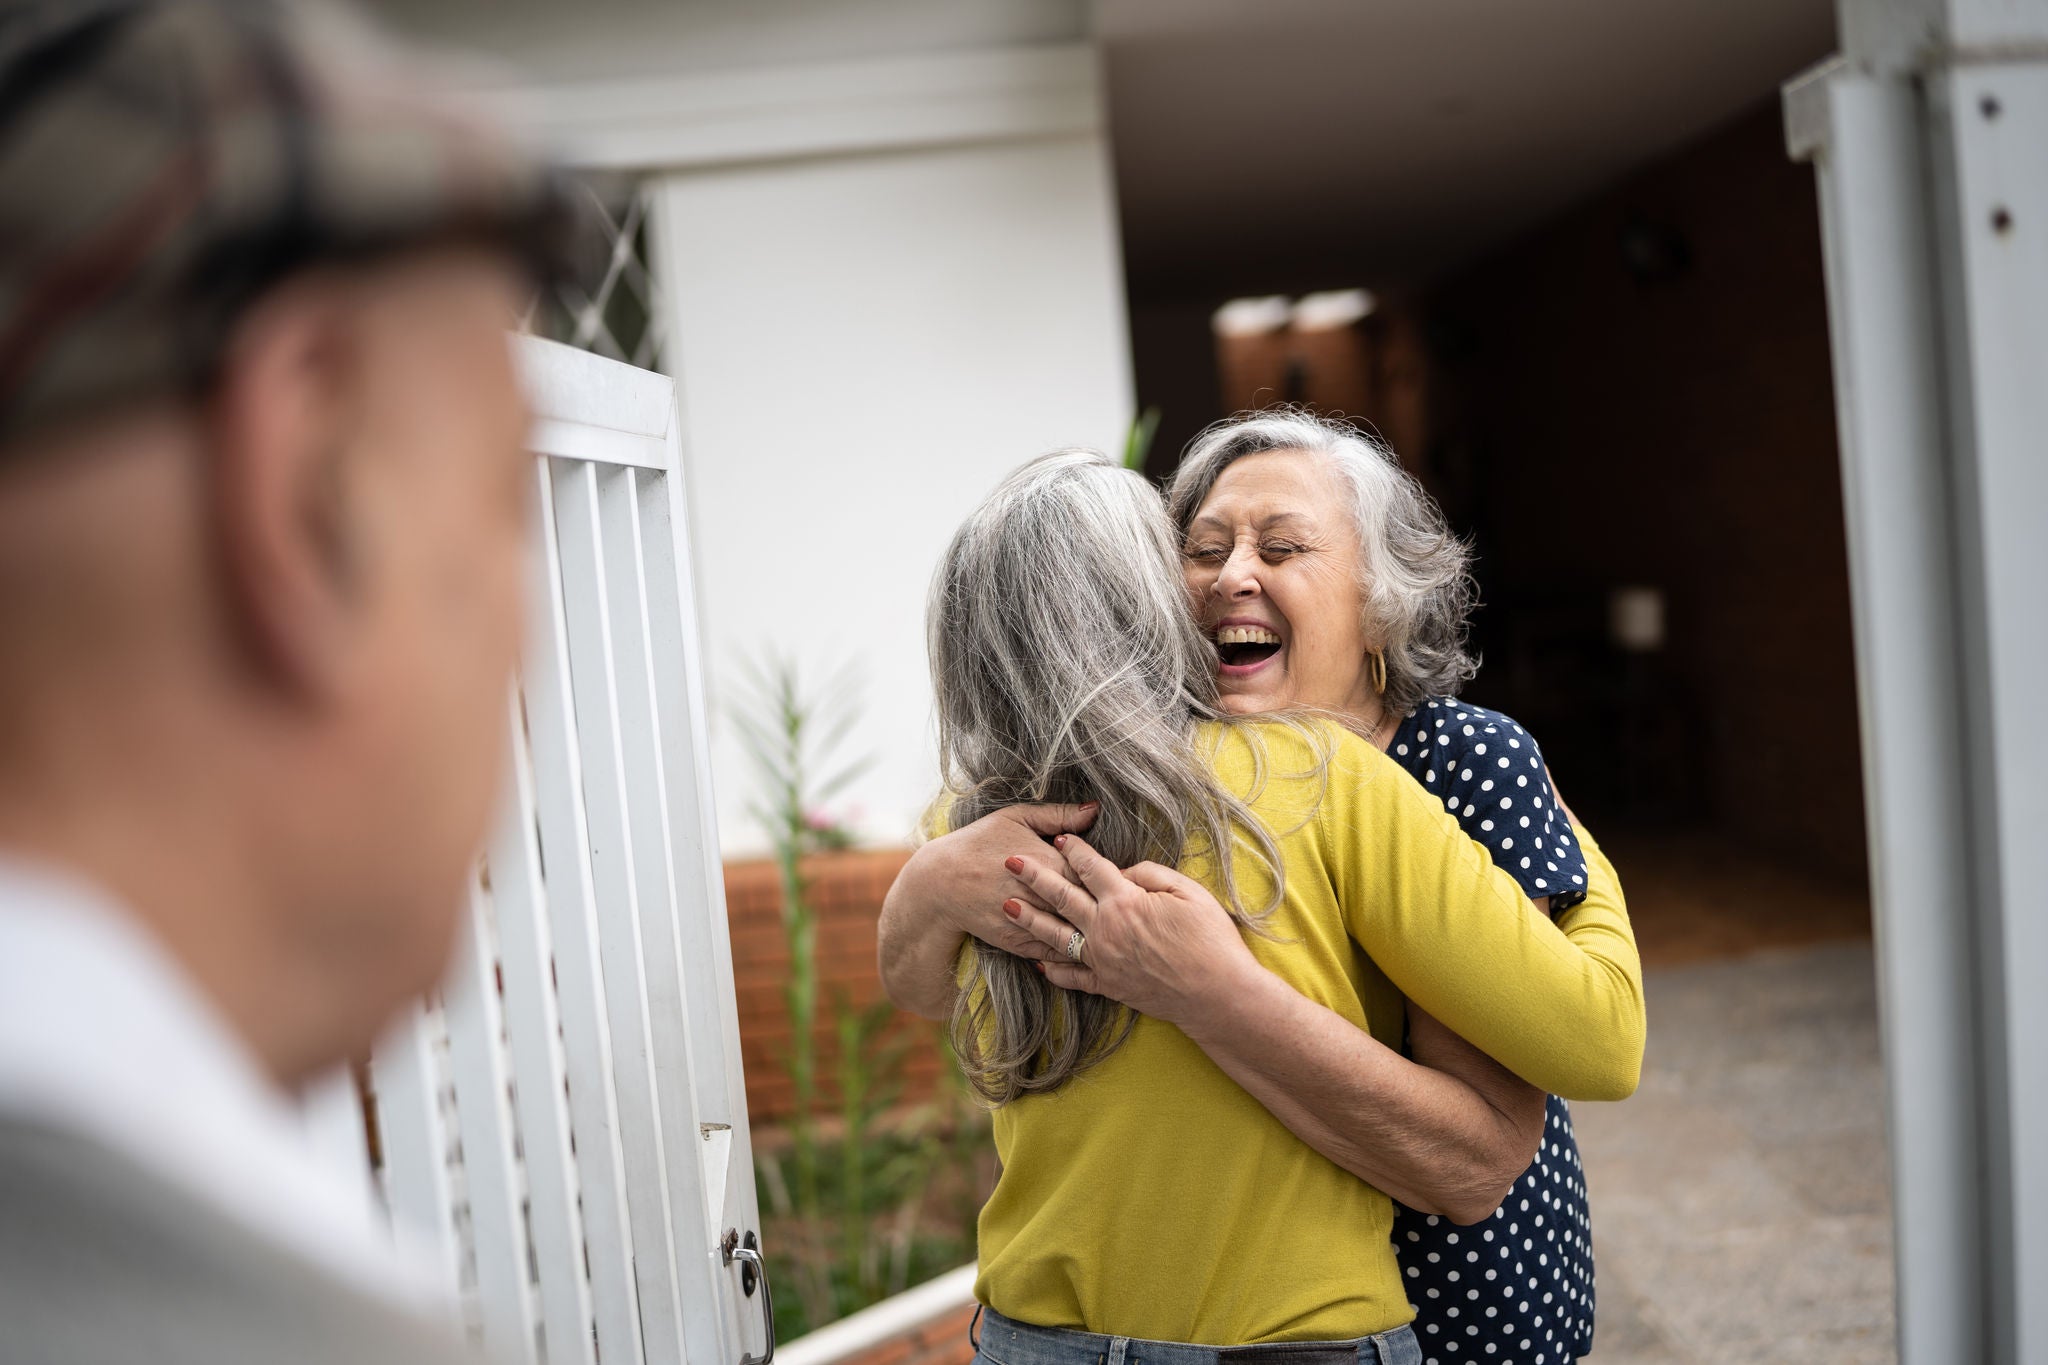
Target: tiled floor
(1741, 1205)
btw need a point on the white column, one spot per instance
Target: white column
(885, 285)
(1927, 136)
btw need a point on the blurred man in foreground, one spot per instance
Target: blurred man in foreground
(262, 507)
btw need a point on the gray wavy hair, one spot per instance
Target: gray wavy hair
(1416, 575)
(1067, 668)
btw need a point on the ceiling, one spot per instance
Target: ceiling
(1293, 144)
(547, 41)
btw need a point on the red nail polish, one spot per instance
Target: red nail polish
(1040, 966)
(1013, 908)
(1016, 865)
(1059, 841)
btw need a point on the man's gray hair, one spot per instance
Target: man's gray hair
(1416, 575)
(1067, 668)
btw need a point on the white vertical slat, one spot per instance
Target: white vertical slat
(539, 1070)
(692, 1207)
(333, 1112)
(676, 644)
(484, 1118)
(603, 745)
(693, 830)
(406, 1079)
(602, 1163)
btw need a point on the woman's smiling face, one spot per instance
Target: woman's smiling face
(1272, 570)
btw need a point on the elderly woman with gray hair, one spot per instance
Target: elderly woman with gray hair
(1198, 1112)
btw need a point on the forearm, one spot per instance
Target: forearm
(916, 947)
(1430, 1140)
(1617, 1025)
(1454, 930)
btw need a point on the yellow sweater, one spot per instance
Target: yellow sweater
(1153, 1197)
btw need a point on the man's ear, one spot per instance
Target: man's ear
(283, 426)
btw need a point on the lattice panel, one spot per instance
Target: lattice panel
(609, 307)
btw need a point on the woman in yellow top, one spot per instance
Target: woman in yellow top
(1145, 1194)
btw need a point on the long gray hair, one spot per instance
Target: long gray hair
(1067, 668)
(1416, 575)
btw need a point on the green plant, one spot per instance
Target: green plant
(870, 1077)
(1138, 440)
(925, 1174)
(887, 1206)
(793, 739)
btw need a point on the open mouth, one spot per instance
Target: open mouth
(1243, 648)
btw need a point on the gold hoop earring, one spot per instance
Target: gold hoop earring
(1379, 672)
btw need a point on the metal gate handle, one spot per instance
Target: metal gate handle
(748, 1256)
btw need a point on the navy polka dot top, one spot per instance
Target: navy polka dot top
(1489, 773)
(1518, 1287)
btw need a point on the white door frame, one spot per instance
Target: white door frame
(1929, 137)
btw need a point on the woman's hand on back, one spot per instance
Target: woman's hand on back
(954, 887)
(1153, 939)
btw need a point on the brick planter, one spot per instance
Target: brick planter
(942, 1341)
(846, 892)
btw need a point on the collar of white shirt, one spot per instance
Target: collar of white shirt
(101, 1033)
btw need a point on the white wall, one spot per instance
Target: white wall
(864, 346)
(887, 253)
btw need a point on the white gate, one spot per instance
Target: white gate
(568, 1122)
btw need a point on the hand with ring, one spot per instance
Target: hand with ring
(1145, 936)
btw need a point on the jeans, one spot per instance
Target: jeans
(1003, 1342)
